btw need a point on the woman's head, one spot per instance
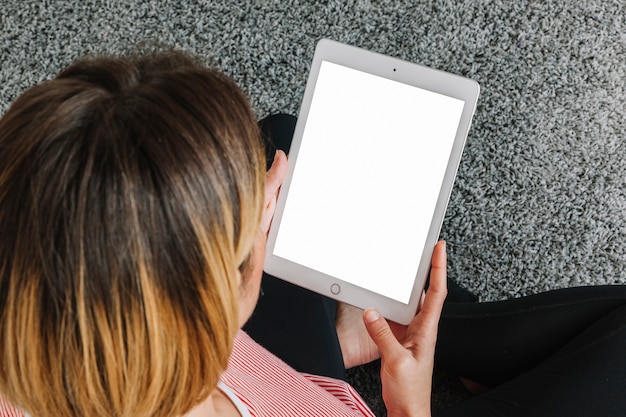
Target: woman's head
(130, 193)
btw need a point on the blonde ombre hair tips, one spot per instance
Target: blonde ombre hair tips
(130, 194)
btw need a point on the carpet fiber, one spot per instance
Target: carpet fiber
(540, 198)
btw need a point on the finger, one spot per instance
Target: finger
(380, 332)
(426, 322)
(267, 216)
(438, 288)
(273, 180)
(275, 176)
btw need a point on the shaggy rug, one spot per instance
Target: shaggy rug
(540, 198)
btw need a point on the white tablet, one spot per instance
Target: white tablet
(373, 159)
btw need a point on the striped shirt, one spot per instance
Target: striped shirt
(266, 386)
(269, 387)
(7, 411)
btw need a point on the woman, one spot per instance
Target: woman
(134, 211)
(134, 207)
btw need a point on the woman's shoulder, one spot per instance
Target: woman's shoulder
(268, 386)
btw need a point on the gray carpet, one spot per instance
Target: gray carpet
(540, 198)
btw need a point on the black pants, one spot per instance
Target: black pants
(560, 353)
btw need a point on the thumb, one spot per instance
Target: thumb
(380, 332)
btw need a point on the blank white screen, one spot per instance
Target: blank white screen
(367, 178)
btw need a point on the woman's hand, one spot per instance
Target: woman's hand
(252, 270)
(407, 363)
(273, 180)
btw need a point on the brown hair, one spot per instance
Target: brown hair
(130, 193)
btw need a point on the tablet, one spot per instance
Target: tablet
(374, 155)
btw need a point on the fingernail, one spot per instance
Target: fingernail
(371, 315)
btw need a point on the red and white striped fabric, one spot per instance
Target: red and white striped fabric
(7, 411)
(270, 387)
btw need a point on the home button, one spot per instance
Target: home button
(335, 289)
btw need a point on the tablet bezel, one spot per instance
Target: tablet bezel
(408, 73)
